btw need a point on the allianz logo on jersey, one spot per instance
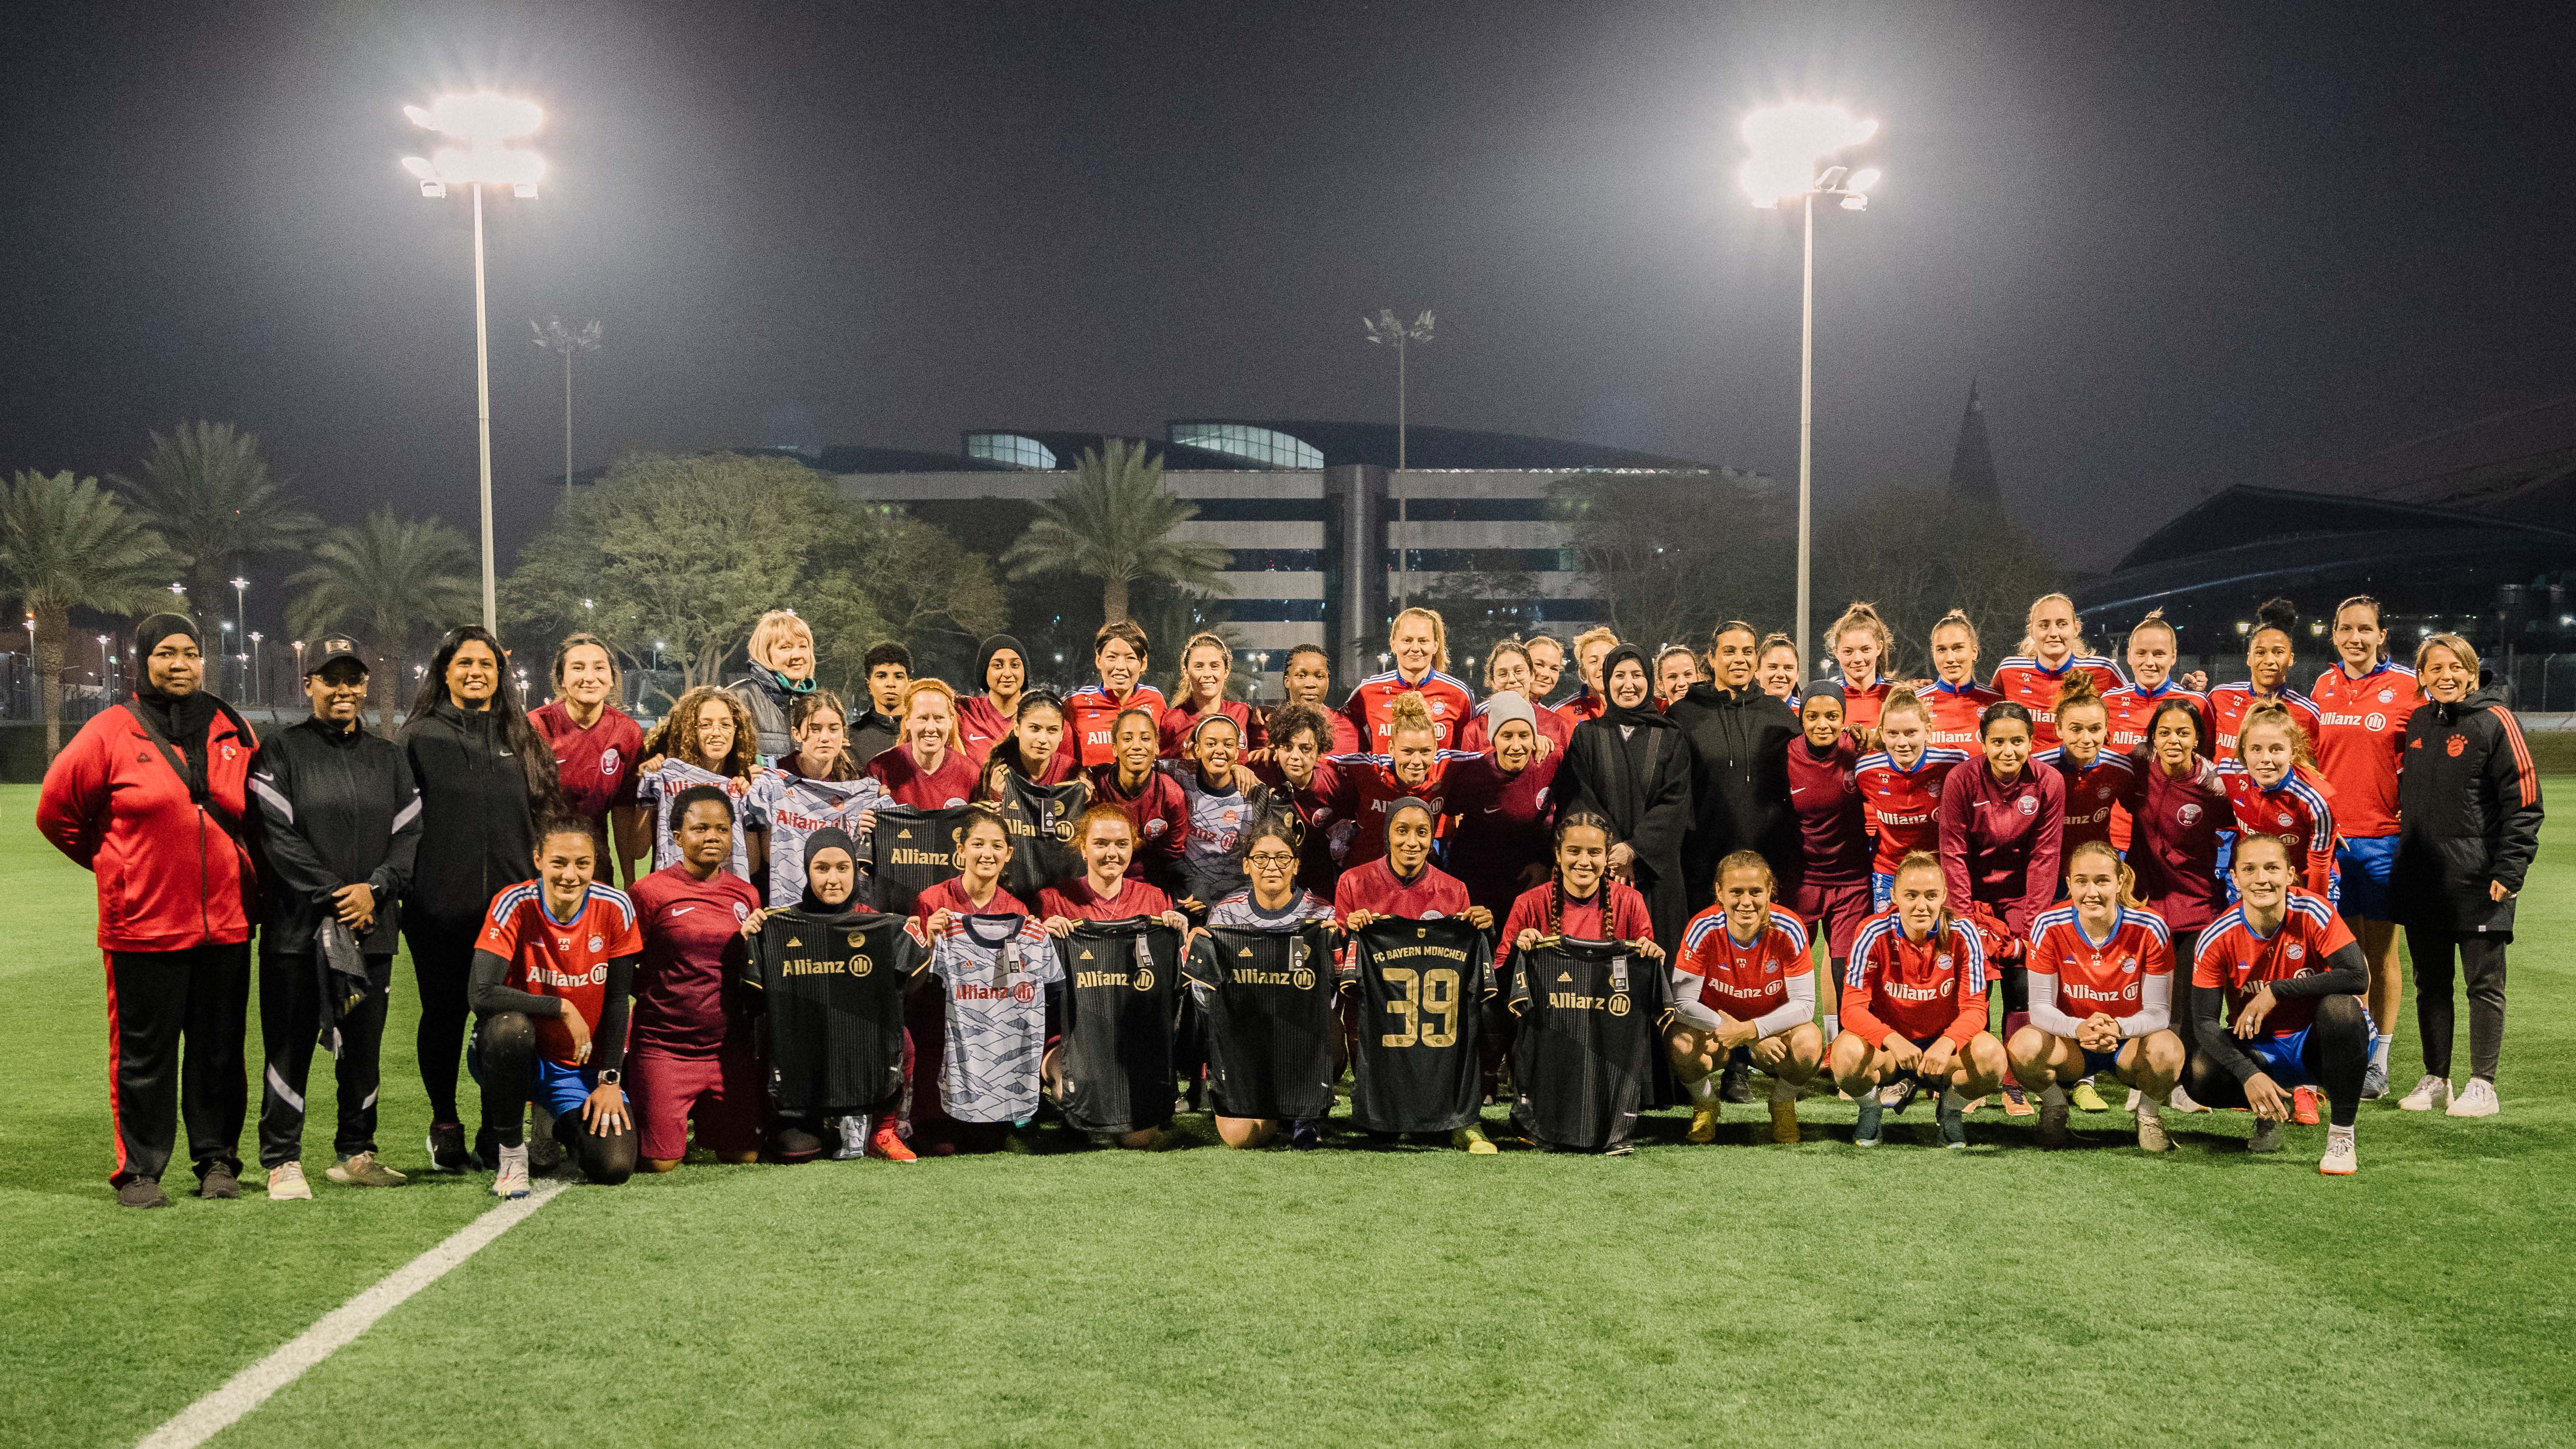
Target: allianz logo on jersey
(1903, 992)
(595, 976)
(2079, 992)
(1022, 991)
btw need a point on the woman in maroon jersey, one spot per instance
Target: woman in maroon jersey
(2095, 777)
(923, 771)
(820, 725)
(596, 745)
(1207, 662)
(2001, 821)
(1305, 783)
(983, 852)
(1861, 644)
(1500, 803)
(984, 719)
(2177, 811)
(1828, 883)
(1403, 883)
(1151, 798)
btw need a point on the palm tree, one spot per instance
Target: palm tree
(1113, 521)
(387, 580)
(208, 491)
(67, 544)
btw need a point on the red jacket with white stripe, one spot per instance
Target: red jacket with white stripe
(173, 873)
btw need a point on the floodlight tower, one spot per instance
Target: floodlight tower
(1387, 331)
(1788, 147)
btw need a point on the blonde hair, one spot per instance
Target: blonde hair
(1439, 632)
(1749, 860)
(1957, 619)
(1862, 616)
(773, 626)
(2460, 649)
(2275, 713)
(2078, 689)
(1668, 651)
(2074, 646)
(917, 687)
(1409, 711)
(2120, 871)
(1213, 641)
(1900, 700)
(1597, 634)
(2155, 619)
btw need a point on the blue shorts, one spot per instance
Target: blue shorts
(2282, 1058)
(558, 1088)
(2098, 1062)
(2364, 866)
(1881, 889)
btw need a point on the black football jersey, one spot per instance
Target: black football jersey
(1122, 990)
(833, 987)
(909, 851)
(1585, 1043)
(1040, 819)
(1268, 996)
(1421, 988)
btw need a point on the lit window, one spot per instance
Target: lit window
(1011, 448)
(1261, 445)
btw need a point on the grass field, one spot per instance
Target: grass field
(1685, 1295)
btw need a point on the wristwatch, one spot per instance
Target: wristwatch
(610, 1076)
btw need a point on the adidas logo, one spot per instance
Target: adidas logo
(795, 941)
(1565, 976)
(904, 834)
(1086, 953)
(1246, 951)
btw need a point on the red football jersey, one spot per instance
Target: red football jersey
(2295, 810)
(1904, 805)
(1365, 789)
(1576, 920)
(1075, 900)
(2035, 687)
(2131, 709)
(2360, 729)
(1915, 989)
(1091, 718)
(1180, 719)
(1747, 982)
(953, 783)
(2091, 794)
(2230, 703)
(566, 959)
(2110, 977)
(1374, 887)
(1450, 700)
(1833, 829)
(2233, 957)
(596, 765)
(1955, 713)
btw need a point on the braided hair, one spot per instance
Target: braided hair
(1572, 820)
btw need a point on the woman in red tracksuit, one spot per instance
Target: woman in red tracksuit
(150, 797)
(2001, 821)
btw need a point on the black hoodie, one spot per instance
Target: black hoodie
(2468, 810)
(340, 809)
(478, 826)
(1740, 742)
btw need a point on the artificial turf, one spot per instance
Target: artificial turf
(1817, 1294)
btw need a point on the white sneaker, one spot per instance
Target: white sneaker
(2181, 1101)
(2477, 1099)
(512, 1178)
(2429, 1093)
(2340, 1159)
(286, 1183)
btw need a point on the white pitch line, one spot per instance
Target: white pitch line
(251, 1387)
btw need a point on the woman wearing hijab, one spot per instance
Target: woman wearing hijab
(150, 798)
(486, 777)
(987, 718)
(832, 902)
(782, 672)
(1632, 766)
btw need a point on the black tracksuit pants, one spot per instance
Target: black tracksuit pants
(290, 1021)
(2481, 964)
(156, 1001)
(442, 960)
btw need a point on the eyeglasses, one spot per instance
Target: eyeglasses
(1271, 859)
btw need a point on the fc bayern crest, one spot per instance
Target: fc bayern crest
(741, 913)
(608, 759)
(598, 943)
(2027, 804)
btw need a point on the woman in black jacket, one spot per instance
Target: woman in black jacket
(2468, 806)
(485, 778)
(1633, 766)
(1740, 741)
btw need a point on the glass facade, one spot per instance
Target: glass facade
(1011, 448)
(1261, 445)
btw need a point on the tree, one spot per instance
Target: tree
(207, 490)
(1114, 521)
(881, 573)
(1673, 554)
(1479, 608)
(389, 580)
(67, 544)
(1918, 553)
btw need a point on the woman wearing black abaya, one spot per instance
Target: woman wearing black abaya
(1633, 766)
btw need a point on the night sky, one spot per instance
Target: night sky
(2181, 249)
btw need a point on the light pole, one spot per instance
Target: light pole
(1788, 146)
(106, 668)
(486, 123)
(256, 679)
(241, 612)
(554, 336)
(1389, 332)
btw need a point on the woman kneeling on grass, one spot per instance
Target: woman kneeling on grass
(1742, 980)
(552, 976)
(2101, 997)
(1273, 902)
(1914, 1006)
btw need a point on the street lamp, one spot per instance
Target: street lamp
(241, 612)
(1788, 146)
(1389, 332)
(255, 680)
(106, 667)
(486, 123)
(555, 336)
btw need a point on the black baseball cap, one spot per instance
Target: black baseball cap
(331, 649)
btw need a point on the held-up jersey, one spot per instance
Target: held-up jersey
(996, 970)
(1268, 996)
(1955, 712)
(1420, 988)
(2230, 703)
(2091, 793)
(2295, 810)
(1915, 989)
(1904, 806)
(2128, 974)
(909, 852)
(833, 989)
(567, 959)
(1040, 820)
(2361, 729)
(1091, 719)
(2035, 687)
(1767, 982)
(661, 791)
(1450, 699)
(1213, 847)
(1121, 997)
(795, 807)
(1582, 1048)
(2231, 957)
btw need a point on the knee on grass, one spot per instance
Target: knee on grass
(1245, 1131)
(606, 1159)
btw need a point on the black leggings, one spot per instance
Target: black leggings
(2338, 1052)
(2481, 963)
(290, 1019)
(505, 1047)
(442, 957)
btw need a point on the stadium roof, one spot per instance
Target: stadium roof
(1245, 445)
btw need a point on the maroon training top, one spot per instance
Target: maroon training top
(692, 945)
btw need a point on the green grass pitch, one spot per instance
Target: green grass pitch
(1684, 1296)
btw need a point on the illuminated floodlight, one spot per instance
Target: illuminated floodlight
(1788, 143)
(485, 123)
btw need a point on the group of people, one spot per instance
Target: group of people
(787, 927)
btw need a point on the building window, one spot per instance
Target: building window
(1011, 448)
(1261, 445)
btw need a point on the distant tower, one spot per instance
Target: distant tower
(1972, 465)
